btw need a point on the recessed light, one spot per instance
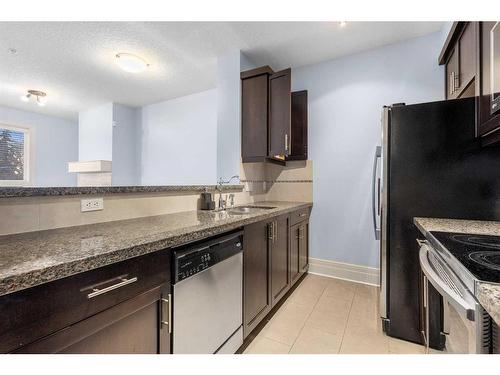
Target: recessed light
(39, 96)
(12, 51)
(342, 24)
(131, 63)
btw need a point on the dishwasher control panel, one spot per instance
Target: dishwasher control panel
(190, 260)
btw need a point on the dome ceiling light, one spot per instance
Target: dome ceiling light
(131, 63)
(39, 97)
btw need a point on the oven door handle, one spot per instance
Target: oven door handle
(460, 304)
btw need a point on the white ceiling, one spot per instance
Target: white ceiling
(74, 61)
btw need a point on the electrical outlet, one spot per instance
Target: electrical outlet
(94, 204)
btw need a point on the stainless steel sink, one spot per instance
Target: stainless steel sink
(242, 210)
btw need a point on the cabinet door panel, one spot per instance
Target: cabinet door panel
(132, 326)
(467, 57)
(279, 113)
(304, 247)
(298, 142)
(294, 252)
(256, 275)
(280, 275)
(254, 110)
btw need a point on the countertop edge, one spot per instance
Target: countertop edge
(22, 281)
(21, 192)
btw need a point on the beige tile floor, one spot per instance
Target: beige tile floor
(328, 316)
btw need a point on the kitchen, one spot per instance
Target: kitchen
(220, 188)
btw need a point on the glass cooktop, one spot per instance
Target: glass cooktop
(480, 254)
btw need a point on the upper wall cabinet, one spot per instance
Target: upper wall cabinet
(274, 120)
(471, 55)
(459, 56)
(489, 70)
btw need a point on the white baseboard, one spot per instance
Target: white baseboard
(344, 271)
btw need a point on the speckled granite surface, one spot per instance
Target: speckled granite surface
(487, 294)
(458, 226)
(10, 192)
(489, 297)
(34, 258)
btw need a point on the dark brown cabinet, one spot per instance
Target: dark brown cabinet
(467, 56)
(280, 257)
(298, 143)
(273, 118)
(460, 59)
(266, 276)
(254, 114)
(256, 275)
(276, 255)
(279, 134)
(119, 308)
(299, 244)
(489, 98)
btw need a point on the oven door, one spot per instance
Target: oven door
(466, 325)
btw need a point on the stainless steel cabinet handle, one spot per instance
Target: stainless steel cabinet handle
(270, 231)
(452, 83)
(302, 215)
(275, 231)
(168, 323)
(286, 143)
(456, 81)
(97, 292)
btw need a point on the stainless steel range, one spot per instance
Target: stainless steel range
(454, 264)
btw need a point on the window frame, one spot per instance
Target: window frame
(27, 156)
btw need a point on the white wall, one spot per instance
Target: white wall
(345, 102)
(179, 140)
(95, 133)
(126, 145)
(55, 144)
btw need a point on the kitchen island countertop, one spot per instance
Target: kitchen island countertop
(34, 258)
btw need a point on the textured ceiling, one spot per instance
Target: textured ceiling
(74, 61)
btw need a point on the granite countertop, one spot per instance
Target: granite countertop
(33, 258)
(487, 294)
(13, 192)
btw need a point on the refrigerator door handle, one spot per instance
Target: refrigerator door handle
(375, 211)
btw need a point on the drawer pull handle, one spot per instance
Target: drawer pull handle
(167, 322)
(302, 215)
(97, 292)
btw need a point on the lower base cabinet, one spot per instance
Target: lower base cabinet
(276, 255)
(120, 308)
(134, 326)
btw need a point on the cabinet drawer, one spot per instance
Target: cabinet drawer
(300, 215)
(36, 312)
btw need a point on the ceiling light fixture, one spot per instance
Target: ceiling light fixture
(342, 24)
(131, 63)
(39, 96)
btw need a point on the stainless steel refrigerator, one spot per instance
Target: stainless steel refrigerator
(429, 164)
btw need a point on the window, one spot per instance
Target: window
(14, 155)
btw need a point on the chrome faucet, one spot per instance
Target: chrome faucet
(222, 202)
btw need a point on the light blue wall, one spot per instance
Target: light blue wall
(56, 144)
(95, 133)
(126, 145)
(345, 101)
(179, 140)
(228, 115)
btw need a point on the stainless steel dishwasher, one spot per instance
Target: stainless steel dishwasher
(208, 296)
